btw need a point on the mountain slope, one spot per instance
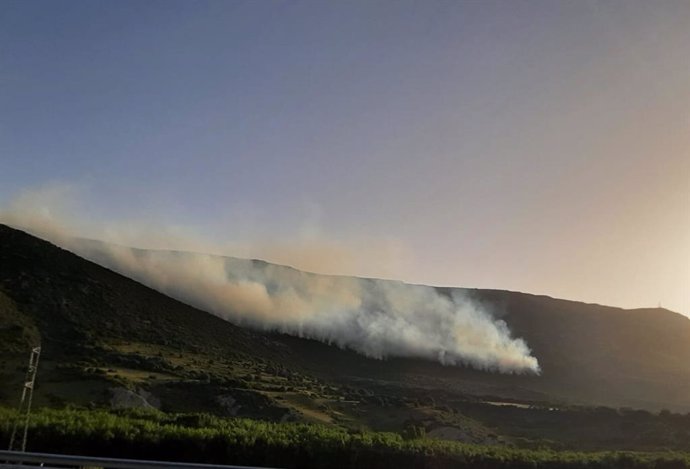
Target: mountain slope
(93, 319)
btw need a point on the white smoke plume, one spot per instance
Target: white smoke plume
(378, 318)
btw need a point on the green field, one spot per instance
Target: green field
(208, 439)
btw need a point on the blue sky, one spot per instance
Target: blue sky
(536, 146)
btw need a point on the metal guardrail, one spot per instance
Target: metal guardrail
(21, 460)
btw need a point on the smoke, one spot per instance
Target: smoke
(378, 318)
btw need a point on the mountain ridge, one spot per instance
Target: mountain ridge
(608, 369)
(385, 279)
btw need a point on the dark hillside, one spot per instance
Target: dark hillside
(103, 329)
(77, 303)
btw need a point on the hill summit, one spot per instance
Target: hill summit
(102, 331)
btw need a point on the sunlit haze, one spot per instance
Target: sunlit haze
(535, 146)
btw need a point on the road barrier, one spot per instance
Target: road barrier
(22, 460)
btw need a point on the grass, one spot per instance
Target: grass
(209, 439)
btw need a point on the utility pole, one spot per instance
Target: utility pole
(27, 397)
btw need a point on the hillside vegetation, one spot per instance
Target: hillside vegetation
(110, 342)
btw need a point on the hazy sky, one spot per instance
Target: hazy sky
(523, 145)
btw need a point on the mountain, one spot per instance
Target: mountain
(108, 340)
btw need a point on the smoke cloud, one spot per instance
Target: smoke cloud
(378, 318)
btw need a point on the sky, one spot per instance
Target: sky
(537, 146)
